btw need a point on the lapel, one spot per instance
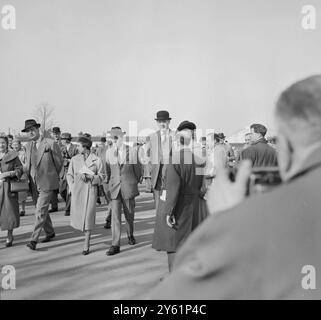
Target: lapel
(41, 150)
(9, 156)
(91, 161)
(125, 155)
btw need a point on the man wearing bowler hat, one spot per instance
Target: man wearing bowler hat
(44, 163)
(68, 150)
(158, 149)
(123, 175)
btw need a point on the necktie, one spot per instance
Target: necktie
(33, 158)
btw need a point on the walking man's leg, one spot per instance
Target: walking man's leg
(129, 212)
(42, 218)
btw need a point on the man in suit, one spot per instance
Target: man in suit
(56, 136)
(123, 175)
(158, 149)
(68, 150)
(259, 152)
(266, 246)
(44, 163)
(103, 188)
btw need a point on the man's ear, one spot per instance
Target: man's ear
(285, 154)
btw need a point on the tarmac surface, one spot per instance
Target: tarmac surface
(58, 270)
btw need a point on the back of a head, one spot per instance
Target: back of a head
(299, 109)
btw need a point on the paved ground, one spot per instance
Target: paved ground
(57, 270)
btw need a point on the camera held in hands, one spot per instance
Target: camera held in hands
(261, 179)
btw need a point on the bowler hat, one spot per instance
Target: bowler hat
(66, 136)
(30, 123)
(186, 125)
(116, 131)
(162, 115)
(56, 130)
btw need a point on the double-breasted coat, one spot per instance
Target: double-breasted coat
(9, 206)
(84, 194)
(181, 197)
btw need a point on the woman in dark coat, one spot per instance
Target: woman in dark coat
(10, 168)
(180, 199)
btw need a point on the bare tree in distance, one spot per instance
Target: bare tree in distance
(44, 115)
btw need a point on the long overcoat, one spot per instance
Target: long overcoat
(9, 206)
(84, 194)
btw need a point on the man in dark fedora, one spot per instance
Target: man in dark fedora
(123, 175)
(158, 149)
(44, 163)
(56, 136)
(68, 150)
(228, 148)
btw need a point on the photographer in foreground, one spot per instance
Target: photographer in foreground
(259, 247)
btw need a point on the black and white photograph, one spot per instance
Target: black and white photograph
(160, 150)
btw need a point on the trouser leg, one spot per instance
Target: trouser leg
(129, 212)
(171, 257)
(54, 199)
(42, 216)
(116, 221)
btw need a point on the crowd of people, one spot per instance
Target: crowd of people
(173, 165)
(189, 181)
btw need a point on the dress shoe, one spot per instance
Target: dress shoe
(22, 213)
(67, 213)
(53, 210)
(9, 243)
(113, 250)
(48, 238)
(85, 252)
(32, 245)
(107, 225)
(131, 240)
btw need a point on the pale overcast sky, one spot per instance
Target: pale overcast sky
(219, 63)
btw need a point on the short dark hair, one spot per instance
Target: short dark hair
(10, 136)
(5, 138)
(259, 128)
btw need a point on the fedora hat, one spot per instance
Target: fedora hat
(162, 115)
(30, 123)
(66, 136)
(116, 131)
(56, 130)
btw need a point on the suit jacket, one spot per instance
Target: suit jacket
(256, 250)
(260, 154)
(66, 155)
(154, 152)
(48, 165)
(124, 175)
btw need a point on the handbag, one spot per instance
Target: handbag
(19, 186)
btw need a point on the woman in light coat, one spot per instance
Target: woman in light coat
(85, 173)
